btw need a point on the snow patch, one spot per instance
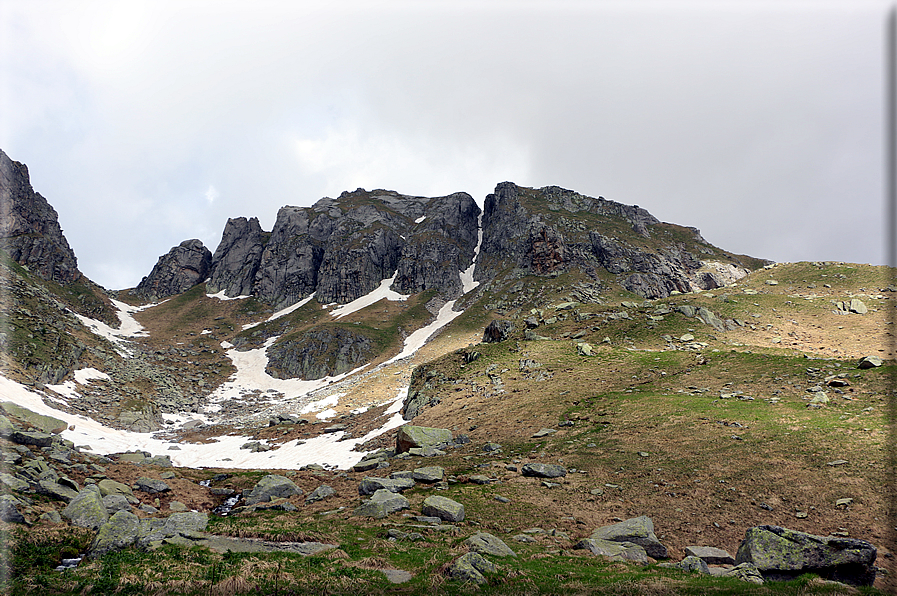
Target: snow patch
(83, 376)
(420, 219)
(467, 282)
(381, 292)
(283, 312)
(317, 406)
(220, 296)
(326, 449)
(128, 326)
(417, 339)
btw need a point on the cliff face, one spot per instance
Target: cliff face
(343, 248)
(29, 227)
(547, 230)
(182, 268)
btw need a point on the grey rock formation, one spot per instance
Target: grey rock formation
(444, 508)
(637, 530)
(381, 504)
(487, 544)
(710, 555)
(319, 494)
(780, 554)
(151, 485)
(87, 509)
(428, 474)
(180, 269)
(29, 227)
(369, 485)
(470, 567)
(410, 437)
(616, 551)
(237, 258)
(543, 471)
(320, 352)
(498, 330)
(272, 486)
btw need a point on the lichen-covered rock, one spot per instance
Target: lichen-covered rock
(270, 486)
(543, 470)
(692, 563)
(617, 551)
(119, 532)
(46, 424)
(116, 503)
(410, 436)
(87, 509)
(30, 437)
(107, 486)
(487, 544)
(746, 572)
(326, 350)
(710, 555)
(184, 266)
(9, 510)
(369, 485)
(428, 474)
(637, 530)
(319, 494)
(470, 567)
(780, 553)
(381, 504)
(444, 508)
(151, 485)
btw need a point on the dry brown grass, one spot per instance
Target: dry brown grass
(233, 585)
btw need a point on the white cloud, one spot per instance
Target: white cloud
(211, 194)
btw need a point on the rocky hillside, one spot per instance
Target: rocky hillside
(602, 396)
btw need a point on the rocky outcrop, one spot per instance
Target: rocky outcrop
(782, 554)
(180, 269)
(29, 227)
(320, 352)
(237, 258)
(548, 230)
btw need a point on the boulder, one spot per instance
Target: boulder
(470, 567)
(87, 509)
(444, 508)
(857, 306)
(498, 330)
(410, 436)
(121, 531)
(617, 551)
(584, 349)
(485, 543)
(319, 494)
(637, 530)
(692, 563)
(30, 437)
(869, 362)
(710, 555)
(428, 474)
(151, 485)
(746, 572)
(369, 485)
(46, 424)
(116, 503)
(107, 486)
(381, 504)
(9, 510)
(270, 486)
(781, 554)
(543, 471)
(57, 490)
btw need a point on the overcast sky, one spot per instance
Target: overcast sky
(145, 124)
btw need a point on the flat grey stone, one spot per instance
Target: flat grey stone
(637, 530)
(443, 508)
(710, 555)
(543, 471)
(485, 543)
(381, 504)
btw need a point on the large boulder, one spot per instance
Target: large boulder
(428, 474)
(410, 436)
(470, 567)
(498, 330)
(237, 258)
(107, 486)
(381, 504)
(444, 508)
(637, 530)
(781, 554)
(47, 424)
(9, 510)
(270, 486)
(616, 551)
(185, 265)
(119, 532)
(87, 509)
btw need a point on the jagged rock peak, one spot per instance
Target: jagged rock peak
(180, 269)
(343, 248)
(237, 258)
(29, 227)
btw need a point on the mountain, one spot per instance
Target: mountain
(551, 333)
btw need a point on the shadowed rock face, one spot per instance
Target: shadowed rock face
(29, 227)
(237, 258)
(182, 268)
(343, 248)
